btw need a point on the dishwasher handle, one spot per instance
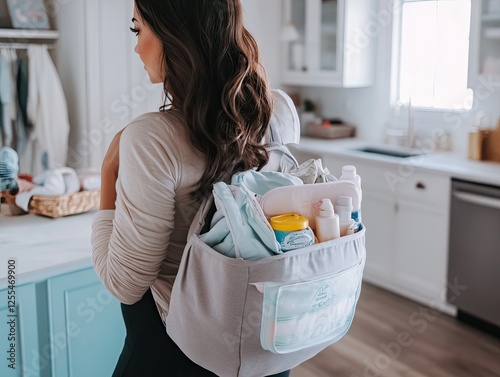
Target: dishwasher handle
(481, 200)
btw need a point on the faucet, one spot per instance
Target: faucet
(410, 135)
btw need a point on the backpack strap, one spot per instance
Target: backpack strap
(284, 124)
(284, 128)
(280, 158)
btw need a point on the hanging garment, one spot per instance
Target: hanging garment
(4, 92)
(21, 124)
(7, 95)
(47, 111)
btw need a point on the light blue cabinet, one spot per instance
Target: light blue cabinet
(19, 333)
(65, 326)
(86, 327)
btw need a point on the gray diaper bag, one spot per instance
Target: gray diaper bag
(253, 318)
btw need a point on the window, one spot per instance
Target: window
(434, 54)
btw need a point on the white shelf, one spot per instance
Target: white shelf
(28, 34)
(491, 17)
(493, 79)
(492, 33)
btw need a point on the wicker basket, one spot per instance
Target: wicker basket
(58, 206)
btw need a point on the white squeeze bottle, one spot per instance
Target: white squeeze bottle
(349, 174)
(327, 222)
(343, 206)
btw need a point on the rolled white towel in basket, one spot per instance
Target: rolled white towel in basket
(61, 181)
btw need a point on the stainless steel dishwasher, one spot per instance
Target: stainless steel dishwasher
(474, 251)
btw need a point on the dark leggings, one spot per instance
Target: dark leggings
(148, 350)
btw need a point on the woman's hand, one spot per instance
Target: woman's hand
(109, 173)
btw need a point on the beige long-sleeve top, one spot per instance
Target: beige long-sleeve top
(139, 245)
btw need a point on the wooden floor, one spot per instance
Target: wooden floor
(430, 344)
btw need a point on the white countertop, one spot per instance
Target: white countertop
(452, 164)
(44, 247)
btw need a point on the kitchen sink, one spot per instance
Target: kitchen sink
(393, 152)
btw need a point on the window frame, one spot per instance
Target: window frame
(396, 106)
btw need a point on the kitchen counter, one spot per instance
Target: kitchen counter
(454, 165)
(44, 247)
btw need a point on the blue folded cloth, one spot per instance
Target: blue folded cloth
(262, 182)
(239, 228)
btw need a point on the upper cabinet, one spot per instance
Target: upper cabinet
(485, 43)
(328, 43)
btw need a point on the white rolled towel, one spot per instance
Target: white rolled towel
(61, 181)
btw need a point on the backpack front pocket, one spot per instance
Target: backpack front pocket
(304, 314)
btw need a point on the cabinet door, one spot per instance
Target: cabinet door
(484, 50)
(295, 36)
(322, 40)
(325, 45)
(311, 41)
(421, 250)
(379, 217)
(20, 341)
(86, 326)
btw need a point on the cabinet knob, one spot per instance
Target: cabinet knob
(420, 186)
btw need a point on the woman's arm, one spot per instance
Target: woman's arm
(129, 243)
(109, 173)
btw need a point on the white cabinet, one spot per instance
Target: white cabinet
(421, 248)
(378, 216)
(327, 43)
(484, 55)
(421, 242)
(406, 213)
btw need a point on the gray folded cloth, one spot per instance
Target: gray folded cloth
(9, 169)
(312, 171)
(62, 181)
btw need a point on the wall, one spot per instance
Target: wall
(104, 80)
(263, 19)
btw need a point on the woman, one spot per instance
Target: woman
(158, 169)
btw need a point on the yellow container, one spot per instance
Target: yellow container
(292, 231)
(289, 222)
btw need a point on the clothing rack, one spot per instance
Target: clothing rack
(20, 39)
(23, 46)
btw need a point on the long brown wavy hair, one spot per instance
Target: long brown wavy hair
(214, 77)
